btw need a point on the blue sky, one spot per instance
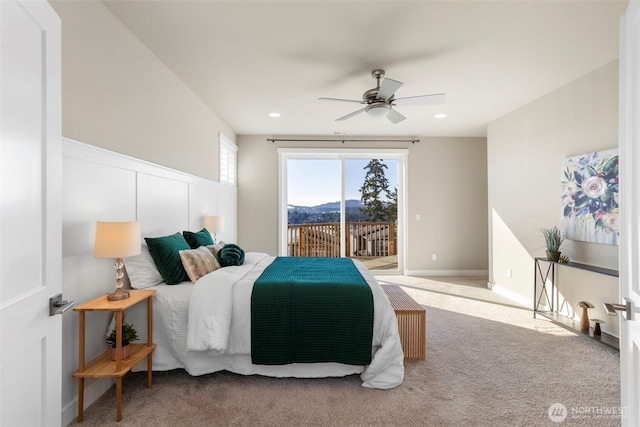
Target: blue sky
(314, 182)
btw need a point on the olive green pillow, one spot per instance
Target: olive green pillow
(201, 238)
(165, 252)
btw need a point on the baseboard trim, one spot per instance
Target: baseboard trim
(482, 273)
(92, 393)
(507, 293)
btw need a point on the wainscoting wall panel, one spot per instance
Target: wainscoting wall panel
(101, 185)
(204, 201)
(163, 205)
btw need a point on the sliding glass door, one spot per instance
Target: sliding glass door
(343, 203)
(314, 207)
(372, 211)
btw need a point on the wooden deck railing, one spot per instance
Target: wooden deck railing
(363, 239)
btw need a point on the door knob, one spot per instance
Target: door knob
(613, 308)
(58, 306)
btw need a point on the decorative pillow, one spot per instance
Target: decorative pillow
(216, 248)
(230, 254)
(141, 269)
(201, 238)
(165, 252)
(198, 262)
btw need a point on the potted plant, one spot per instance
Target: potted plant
(128, 334)
(553, 241)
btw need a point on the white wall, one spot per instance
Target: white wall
(117, 94)
(446, 185)
(448, 189)
(525, 151)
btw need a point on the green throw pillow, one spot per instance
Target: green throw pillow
(201, 238)
(165, 252)
(230, 254)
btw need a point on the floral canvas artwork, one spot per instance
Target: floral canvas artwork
(590, 207)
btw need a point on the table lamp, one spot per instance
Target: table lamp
(215, 225)
(117, 240)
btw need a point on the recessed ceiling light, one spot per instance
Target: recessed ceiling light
(440, 116)
(274, 114)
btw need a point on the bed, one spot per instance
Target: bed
(205, 327)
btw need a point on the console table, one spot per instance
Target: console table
(548, 277)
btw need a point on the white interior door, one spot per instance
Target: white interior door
(30, 209)
(630, 213)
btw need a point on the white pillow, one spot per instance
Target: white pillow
(142, 270)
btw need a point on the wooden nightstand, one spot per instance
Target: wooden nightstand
(102, 366)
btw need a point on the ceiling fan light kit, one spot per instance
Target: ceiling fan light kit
(378, 109)
(380, 100)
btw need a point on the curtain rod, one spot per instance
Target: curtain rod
(413, 141)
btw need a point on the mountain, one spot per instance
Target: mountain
(325, 213)
(331, 206)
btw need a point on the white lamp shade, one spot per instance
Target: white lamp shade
(215, 224)
(117, 239)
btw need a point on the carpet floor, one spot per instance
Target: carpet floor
(489, 363)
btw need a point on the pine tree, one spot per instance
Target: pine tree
(375, 184)
(392, 205)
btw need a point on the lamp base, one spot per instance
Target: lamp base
(118, 295)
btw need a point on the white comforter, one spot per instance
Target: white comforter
(221, 300)
(207, 328)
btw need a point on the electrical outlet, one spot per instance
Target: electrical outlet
(417, 217)
(509, 273)
(434, 257)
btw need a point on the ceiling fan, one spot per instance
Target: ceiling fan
(380, 100)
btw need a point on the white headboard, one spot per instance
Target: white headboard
(101, 185)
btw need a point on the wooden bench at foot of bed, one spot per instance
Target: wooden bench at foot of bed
(412, 322)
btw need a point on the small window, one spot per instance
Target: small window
(228, 161)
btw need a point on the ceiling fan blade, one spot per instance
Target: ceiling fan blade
(388, 88)
(436, 98)
(350, 115)
(342, 100)
(395, 117)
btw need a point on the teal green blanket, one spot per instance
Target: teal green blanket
(307, 310)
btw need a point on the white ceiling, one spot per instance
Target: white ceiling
(245, 59)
